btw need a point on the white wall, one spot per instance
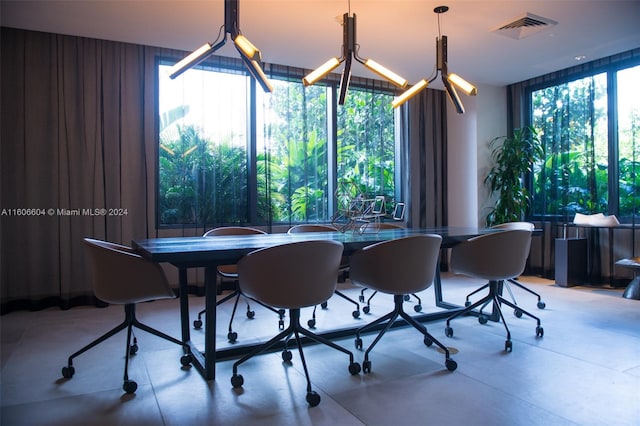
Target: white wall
(468, 158)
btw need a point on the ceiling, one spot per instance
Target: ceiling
(397, 33)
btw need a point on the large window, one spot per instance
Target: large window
(230, 154)
(589, 128)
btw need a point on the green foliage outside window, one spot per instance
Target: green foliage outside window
(206, 181)
(574, 175)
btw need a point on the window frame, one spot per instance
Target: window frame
(566, 76)
(223, 64)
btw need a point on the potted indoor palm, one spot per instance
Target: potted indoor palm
(513, 158)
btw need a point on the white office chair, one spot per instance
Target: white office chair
(495, 257)
(344, 266)
(398, 267)
(380, 226)
(292, 276)
(122, 277)
(230, 272)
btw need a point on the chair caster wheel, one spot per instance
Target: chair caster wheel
(518, 313)
(539, 331)
(541, 305)
(355, 314)
(232, 336)
(186, 359)
(354, 368)
(417, 308)
(366, 309)
(129, 386)
(133, 349)
(251, 314)
(428, 341)
(406, 297)
(313, 398)
(448, 331)
(237, 381)
(366, 367)
(280, 324)
(311, 323)
(68, 372)
(323, 305)
(287, 356)
(358, 343)
(197, 324)
(482, 319)
(467, 304)
(451, 364)
(508, 347)
(361, 299)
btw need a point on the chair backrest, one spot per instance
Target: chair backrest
(401, 266)
(232, 230)
(292, 275)
(121, 276)
(499, 255)
(516, 225)
(311, 227)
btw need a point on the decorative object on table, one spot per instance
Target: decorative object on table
(514, 157)
(597, 219)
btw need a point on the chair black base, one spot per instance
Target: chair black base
(294, 329)
(494, 297)
(517, 312)
(232, 336)
(355, 314)
(130, 321)
(390, 318)
(367, 309)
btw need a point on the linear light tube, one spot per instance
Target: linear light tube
(246, 48)
(410, 93)
(463, 84)
(453, 96)
(255, 68)
(385, 73)
(191, 60)
(321, 71)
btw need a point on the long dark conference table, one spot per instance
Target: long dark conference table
(209, 253)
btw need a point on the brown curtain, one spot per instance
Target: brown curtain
(424, 148)
(75, 142)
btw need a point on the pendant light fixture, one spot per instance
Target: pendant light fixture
(450, 81)
(249, 54)
(350, 52)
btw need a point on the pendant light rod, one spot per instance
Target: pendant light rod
(249, 54)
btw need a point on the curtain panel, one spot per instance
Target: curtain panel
(78, 159)
(424, 151)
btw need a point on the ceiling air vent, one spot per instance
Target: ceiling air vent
(523, 26)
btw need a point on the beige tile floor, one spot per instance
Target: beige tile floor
(584, 371)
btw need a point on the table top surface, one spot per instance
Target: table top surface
(199, 251)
